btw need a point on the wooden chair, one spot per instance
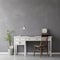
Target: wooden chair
(43, 44)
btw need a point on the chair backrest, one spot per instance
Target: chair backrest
(44, 41)
(44, 38)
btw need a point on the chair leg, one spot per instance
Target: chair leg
(47, 50)
(34, 50)
(41, 50)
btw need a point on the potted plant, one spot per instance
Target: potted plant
(9, 39)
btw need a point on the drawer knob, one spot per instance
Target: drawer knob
(19, 42)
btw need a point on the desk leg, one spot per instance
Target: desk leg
(25, 49)
(15, 49)
(50, 48)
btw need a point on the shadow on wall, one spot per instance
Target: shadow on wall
(55, 41)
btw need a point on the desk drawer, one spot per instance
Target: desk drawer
(20, 42)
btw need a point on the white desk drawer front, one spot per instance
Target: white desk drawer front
(20, 42)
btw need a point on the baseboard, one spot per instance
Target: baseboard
(3, 53)
(29, 53)
(56, 53)
(20, 52)
(35, 53)
(38, 53)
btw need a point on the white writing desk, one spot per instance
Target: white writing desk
(21, 40)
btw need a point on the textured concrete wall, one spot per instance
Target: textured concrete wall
(34, 15)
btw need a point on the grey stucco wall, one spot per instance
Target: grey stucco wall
(34, 15)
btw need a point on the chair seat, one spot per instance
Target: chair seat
(36, 45)
(40, 46)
